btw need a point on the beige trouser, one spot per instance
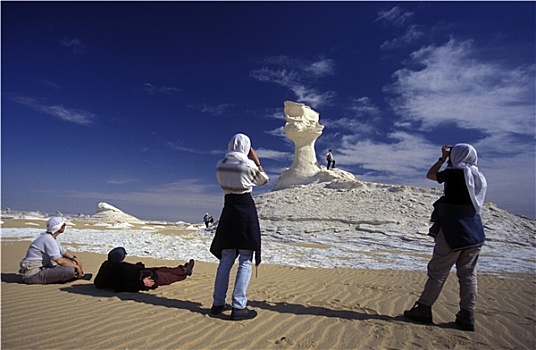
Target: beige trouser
(439, 267)
(46, 275)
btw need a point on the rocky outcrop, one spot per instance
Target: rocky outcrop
(111, 214)
(303, 128)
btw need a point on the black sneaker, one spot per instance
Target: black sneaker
(465, 319)
(419, 313)
(217, 309)
(243, 314)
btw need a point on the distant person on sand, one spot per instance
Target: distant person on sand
(121, 276)
(208, 219)
(238, 233)
(458, 234)
(330, 159)
(46, 261)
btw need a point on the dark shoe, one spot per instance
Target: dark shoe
(243, 314)
(87, 277)
(189, 267)
(419, 313)
(217, 309)
(465, 319)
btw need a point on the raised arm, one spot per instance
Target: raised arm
(434, 169)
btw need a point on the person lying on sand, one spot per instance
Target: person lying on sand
(121, 276)
(46, 261)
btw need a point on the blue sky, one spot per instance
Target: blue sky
(133, 103)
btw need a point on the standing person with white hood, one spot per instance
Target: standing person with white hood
(47, 261)
(458, 234)
(238, 233)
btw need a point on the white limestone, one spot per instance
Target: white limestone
(332, 224)
(111, 214)
(303, 128)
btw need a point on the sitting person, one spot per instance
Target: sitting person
(122, 276)
(46, 261)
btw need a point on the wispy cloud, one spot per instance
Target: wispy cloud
(178, 147)
(395, 16)
(214, 109)
(299, 76)
(406, 33)
(450, 84)
(121, 181)
(404, 155)
(170, 90)
(273, 154)
(50, 84)
(76, 116)
(149, 88)
(361, 117)
(74, 44)
(411, 35)
(364, 106)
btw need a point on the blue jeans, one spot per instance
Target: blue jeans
(243, 275)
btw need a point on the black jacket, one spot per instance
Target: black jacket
(124, 277)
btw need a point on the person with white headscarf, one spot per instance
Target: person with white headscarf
(458, 233)
(238, 233)
(46, 261)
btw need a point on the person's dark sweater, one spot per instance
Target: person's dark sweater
(123, 277)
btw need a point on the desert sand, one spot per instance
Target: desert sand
(322, 308)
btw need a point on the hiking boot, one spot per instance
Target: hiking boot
(420, 313)
(465, 319)
(243, 314)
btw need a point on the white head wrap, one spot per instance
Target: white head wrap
(55, 223)
(464, 156)
(239, 147)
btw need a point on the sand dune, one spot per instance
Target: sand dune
(320, 308)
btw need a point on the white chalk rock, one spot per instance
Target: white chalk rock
(303, 128)
(109, 213)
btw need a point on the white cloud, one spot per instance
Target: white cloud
(149, 88)
(178, 147)
(318, 68)
(321, 68)
(71, 115)
(50, 84)
(169, 90)
(121, 181)
(278, 132)
(299, 76)
(395, 16)
(449, 85)
(273, 154)
(411, 35)
(215, 110)
(408, 154)
(363, 106)
(74, 44)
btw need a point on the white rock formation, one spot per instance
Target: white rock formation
(378, 225)
(303, 128)
(111, 214)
